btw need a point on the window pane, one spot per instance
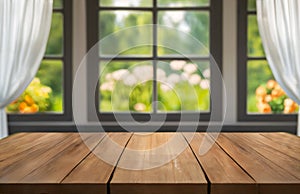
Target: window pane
(255, 47)
(125, 86)
(44, 94)
(264, 94)
(113, 21)
(251, 5)
(183, 86)
(182, 3)
(193, 23)
(57, 4)
(126, 3)
(55, 42)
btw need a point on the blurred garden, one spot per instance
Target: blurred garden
(264, 94)
(45, 93)
(181, 85)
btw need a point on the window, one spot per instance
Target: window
(48, 97)
(201, 19)
(260, 97)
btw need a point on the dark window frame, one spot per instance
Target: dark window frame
(243, 59)
(66, 58)
(215, 10)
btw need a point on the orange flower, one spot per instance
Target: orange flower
(271, 84)
(289, 109)
(34, 108)
(264, 108)
(261, 91)
(277, 87)
(22, 106)
(26, 110)
(260, 99)
(288, 102)
(277, 93)
(268, 98)
(289, 106)
(28, 100)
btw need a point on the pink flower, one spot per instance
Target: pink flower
(140, 107)
(177, 65)
(190, 68)
(194, 79)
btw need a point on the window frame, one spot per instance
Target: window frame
(243, 59)
(215, 10)
(66, 58)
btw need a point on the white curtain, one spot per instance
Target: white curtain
(24, 31)
(279, 26)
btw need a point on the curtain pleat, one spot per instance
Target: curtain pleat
(279, 27)
(25, 27)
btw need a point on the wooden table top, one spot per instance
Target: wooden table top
(237, 163)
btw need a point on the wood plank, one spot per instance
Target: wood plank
(59, 166)
(93, 173)
(19, 146)
(284, 139)
(225, 176)
(269, 177)
(287, 148)
(271, 151)
(15, 168)
(181, 175)
(13, 184)
(15, 136)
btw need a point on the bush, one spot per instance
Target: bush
(36, 98)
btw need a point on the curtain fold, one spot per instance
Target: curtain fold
(279, 27)
(25, 27)
(3, 124)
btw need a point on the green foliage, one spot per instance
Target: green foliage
(119, 95)
(175, 3)
(50, 74)
(107, 26)
(57, 4)
(55, 42)
(142, 93)
(182, 98)
(114, 21)
(37, 97)
(251, 4)
(255, 47)
(277, 105)
(258, 73)
(199, 23)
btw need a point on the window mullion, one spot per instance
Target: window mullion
(155, 93)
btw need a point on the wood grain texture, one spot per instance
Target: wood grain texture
(225, 176)
(269, 176)
(39, 163)
(292, 142)
(57, 167)
(22, 144)
(181, 175)
(13, 169)
(272, 151)
(16, 136)
(93, 173)
(46, 164)
(287, 147)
